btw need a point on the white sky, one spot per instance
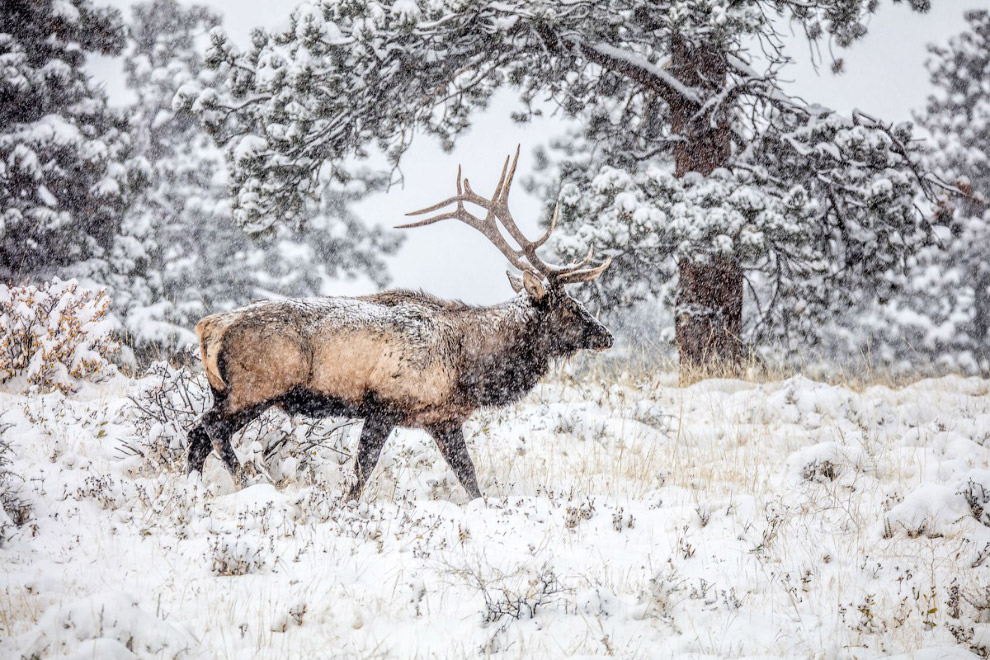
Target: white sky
(885, 76)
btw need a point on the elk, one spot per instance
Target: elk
(398, 358)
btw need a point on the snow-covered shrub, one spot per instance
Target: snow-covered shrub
(293, 617)
(54, 334)
(660, 596)
(515, 597)
(825, 461)
(162, 412)
(931, 510)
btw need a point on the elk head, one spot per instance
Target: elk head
(566, 326)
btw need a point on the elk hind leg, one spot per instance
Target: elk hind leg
(199, 448)
(375, 432)
(450, 441)
(215, 431)
(199, 443)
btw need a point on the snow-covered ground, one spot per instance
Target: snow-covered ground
(725, 519)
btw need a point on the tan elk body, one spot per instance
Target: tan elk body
(398, 358)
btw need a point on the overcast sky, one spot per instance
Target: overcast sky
(885, 76)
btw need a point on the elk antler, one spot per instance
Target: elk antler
(498, 211)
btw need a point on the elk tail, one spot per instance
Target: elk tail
(211, 332)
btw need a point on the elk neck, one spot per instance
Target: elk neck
(504, 352)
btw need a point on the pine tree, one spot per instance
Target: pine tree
(180, 255)
(801, 203)
(162, 280)
(959, 119)
(942, 314)
(64, 175)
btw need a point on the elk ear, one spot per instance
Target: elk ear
(515, 282)
(534, 287)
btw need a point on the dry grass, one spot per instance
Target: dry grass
(632, 365)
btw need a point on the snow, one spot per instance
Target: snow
(249, 146)
(634, 519)
(110, 624)
(642, 63)
(932, 509)
(406, 11)
(65, 10)
(46, 197)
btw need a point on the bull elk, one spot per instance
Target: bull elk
(398, 358)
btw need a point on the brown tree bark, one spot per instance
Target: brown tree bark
(709, 317)
(709, 295)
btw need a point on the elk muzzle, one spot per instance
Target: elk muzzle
(598, 338)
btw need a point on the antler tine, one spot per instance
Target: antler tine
(586, 275)
(500, 206)
(553, 225)
(501, 194)
(427, 221)
(457, 213)
(512, 174)
(500, 203)
(584, 262)
(436, 207)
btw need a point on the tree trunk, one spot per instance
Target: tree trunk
(709, 295)
(709, 317)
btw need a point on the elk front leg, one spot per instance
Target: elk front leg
(450, 440)
(375, 432)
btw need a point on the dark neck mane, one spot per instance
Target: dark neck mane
(502, 354)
